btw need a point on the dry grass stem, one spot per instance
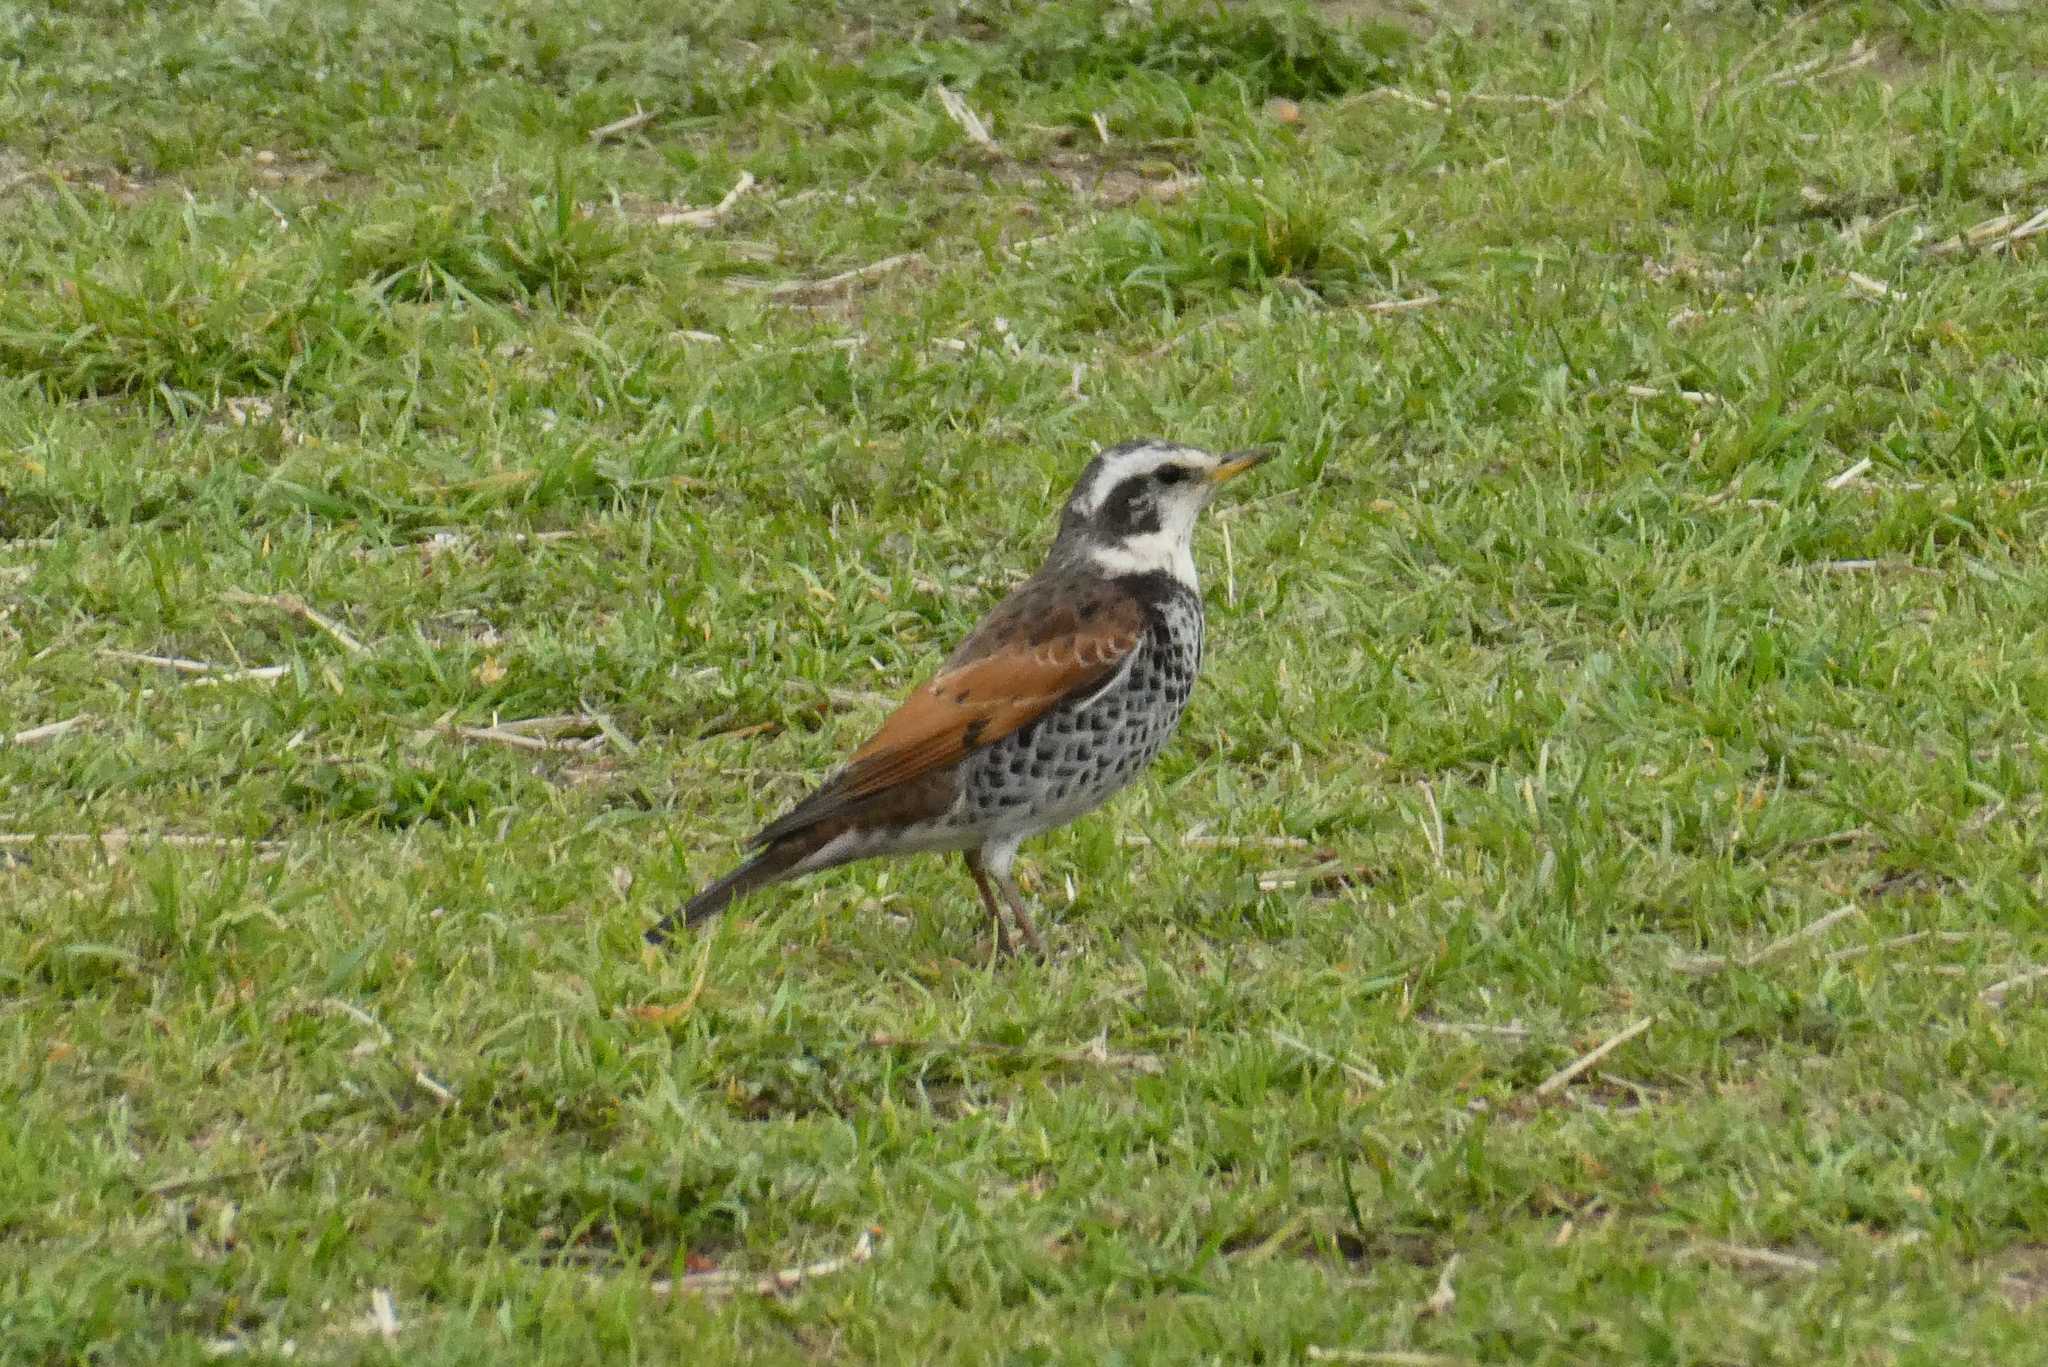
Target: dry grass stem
(546, 734)
(1420, 301)
(439, 1092)
(1512, 1030)
(1195, 840)
(383, 1317)
(47, 731)
(1549, 103)
(970, 122)
(1849, 476)
(1946, 937)
(1178, 338)
(709, 217)
(832, 284)
(1824, 67)
(1994, 996)
(117, 840)
(1445, 1296)
(1717, 963)
(1358, 1073)
(639, 118)
(294, 606)
(1095, 1053)
(1691, 396)
(1776, 39)
(1867, 566)
(1768, 1258)
(1388, 92)
(2001, 230)
(177, 662)
(1433, 830)
(1872, 286)
(1563, 1077)
(724, 1283)
(259, 674)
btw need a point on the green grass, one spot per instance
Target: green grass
(1566, 679)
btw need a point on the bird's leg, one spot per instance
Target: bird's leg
(1016, 898)
(988, 900)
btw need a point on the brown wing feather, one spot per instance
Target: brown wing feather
(1040, 646)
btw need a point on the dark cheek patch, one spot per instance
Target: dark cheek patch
(1130, 511)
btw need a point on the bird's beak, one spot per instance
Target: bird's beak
(1236, 463)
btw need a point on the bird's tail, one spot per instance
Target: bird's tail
(769, 866)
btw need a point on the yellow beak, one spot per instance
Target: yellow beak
(1237, 462)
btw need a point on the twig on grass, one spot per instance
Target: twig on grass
(383, 1317)
(178, 1186)
(177, 662)
(1388, 92)
(1512, 1030)
(1096, 1052)
(832, 284)
(360, 1017)
(1769, 1258)
(1873, 287)
(1697, 397)
(260, 674)
(1727, 78)
(1445, 1296)
(1190, 334)
(1357, 1073)
(1563, 1077)
(293, 605)
(1716, 963)
(1383, 1357)
(724, 1283)
(1195, 840)
(1818, 68)
(116, 840)
(507, 734)
(1946, 937)
(47, 731)
(970, 122)
(1994, 996)
(1553, 104)
(712, 216)
(1433, 830)
(1848, 476)
(2003, 230)
(1408, 305)
(206, 675)
(639, 118)
(1870, 566)
(438, 1092)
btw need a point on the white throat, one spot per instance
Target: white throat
(1165, 551)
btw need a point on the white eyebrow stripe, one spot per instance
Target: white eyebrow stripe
(1138, 460)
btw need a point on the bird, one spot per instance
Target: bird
(1059, 697)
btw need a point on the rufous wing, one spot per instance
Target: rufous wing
(1009, 673)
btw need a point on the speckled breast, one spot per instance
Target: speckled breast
(1075, 756)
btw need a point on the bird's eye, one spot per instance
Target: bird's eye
(1173, 474)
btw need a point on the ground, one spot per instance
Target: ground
(1639, 641)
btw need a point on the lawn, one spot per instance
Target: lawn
(462, 468)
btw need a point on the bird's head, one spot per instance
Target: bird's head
(1134, 508)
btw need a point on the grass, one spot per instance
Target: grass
(1667, 578)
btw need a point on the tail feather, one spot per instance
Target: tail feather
(771, 865)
